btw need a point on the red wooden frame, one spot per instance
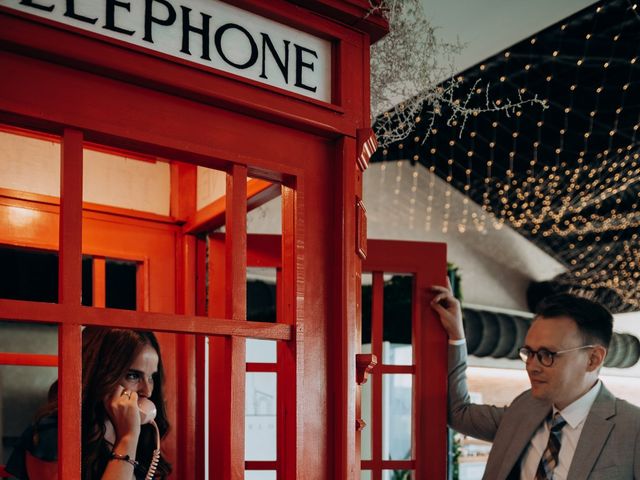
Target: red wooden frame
(426, 262)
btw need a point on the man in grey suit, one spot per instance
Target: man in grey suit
(568, 426)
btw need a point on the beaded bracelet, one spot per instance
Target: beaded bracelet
(124, 458)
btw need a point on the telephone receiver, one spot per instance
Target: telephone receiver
(147, 409)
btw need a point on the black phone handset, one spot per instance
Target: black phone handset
(147, 415)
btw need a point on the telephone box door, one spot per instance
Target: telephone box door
(403, 403)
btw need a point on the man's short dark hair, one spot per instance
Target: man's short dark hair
(594, 321)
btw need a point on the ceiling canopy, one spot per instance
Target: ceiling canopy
(566, 176)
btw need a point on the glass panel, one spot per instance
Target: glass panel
(120, 284)
(367, 280)
(132, 359)
(87, 281)
(396, 474)
(29, 275)
(365, 475)
(135, 201)
(26, 337)
(396, 416)
(260, 475)
(261, 351)
(398, 302)
(261, 294)
(30, 185)
(260, 416)
(32, 275)
(29, 162)
(126, 180)
(23, 389)
(267, 218)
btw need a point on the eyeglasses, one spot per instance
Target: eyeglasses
(544, 356)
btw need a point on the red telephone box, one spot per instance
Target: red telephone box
(286, 114)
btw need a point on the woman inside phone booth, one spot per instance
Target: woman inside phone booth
(123, 413)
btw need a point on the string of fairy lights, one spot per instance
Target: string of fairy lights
(566, 177)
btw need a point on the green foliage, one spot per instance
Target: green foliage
(454, 277)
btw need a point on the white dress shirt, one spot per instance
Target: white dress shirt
(575, 415)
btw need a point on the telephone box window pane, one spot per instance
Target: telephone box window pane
(396, 416)
(398, 303)
(261, 351)
(260, 416)
(23, 389)
(367, 281)
(29, 275)
(30, 162)
(396, 474)
(120, 284)
(260, 475)
(365, 475)
(32, 275)
(87, 281)
(261, 294)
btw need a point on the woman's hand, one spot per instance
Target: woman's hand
(122, 408)
(448, 308)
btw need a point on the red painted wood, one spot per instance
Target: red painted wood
(99, 282)
(377, 321)
(260, 465)
(291, 294)
(430, 353)
(28, 359)
(200, 354)
(186, 361)
(135, 215)
(69, 400)
(351, 12)
(69, 295)
(175, 75)
(342, 367)
(159, 322)
(70, 260)
(259, 367)
(236, 308)
(183, 191)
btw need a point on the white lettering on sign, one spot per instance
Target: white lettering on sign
(207, 32)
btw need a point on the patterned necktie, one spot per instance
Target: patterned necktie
(549, 458)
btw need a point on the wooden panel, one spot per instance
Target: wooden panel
(291, 354)
(28, 359)
(236, 308)
(377, 321)
(158, 322)
(69, 295)
(99, 282)
(430, 357)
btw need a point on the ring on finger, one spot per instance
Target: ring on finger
(127, 393)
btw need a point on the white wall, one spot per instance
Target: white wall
(407, 202)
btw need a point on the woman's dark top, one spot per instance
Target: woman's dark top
(40, 440)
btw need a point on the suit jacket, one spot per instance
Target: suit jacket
(608, 448)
